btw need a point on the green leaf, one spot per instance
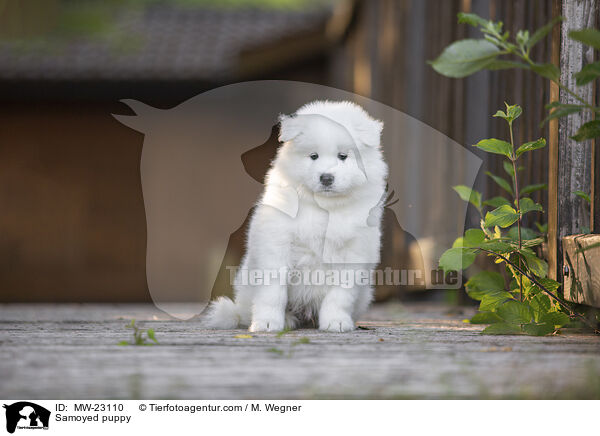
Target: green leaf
(589, 130)
(549, 284)
(522, 37)
(483, 283)
(495, 146)
(501, 64)
(502, 216)
(514, 312)
(588, 73)
(562, 110)
(151, 335)
(530, 146)
(494, 299)
(513, 111)
(541, 33)
(536, 265)
(549, 71)
(532, 188)
(542, 228)
(540, 305)
(527, 205)
(534, 242)
(496, 202)
(457, 259)
(468, 194)
(526, 233)
(471, 19)
(589, 37)
(502, 328)
(514, 284)
(501, 182)
(552, 105)
(485, 318)
(459, 242)
(583, 195)
(556, 319)
(472, 238)
(498, 246)
(465, 57)
(123, 343)
(488, 280)
(508, 168)
(538, 329)
(500, 114)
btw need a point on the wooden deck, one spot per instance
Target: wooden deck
(413, 351)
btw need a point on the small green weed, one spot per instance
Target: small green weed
(290, 352)
(140, 336)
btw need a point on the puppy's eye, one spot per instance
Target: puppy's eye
(314, 156)
(342, 156)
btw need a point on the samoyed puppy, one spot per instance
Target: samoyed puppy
(314, 237)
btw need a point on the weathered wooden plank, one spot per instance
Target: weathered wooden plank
(570, 161)
(417, 351)
(574, 158)
(582, 269)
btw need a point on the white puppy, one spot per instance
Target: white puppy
(320, 213)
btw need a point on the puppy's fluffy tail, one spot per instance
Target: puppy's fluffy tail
(221, 314)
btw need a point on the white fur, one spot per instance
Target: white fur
(300, 224)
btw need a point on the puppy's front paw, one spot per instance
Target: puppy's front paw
(266, 325)
(337, 324)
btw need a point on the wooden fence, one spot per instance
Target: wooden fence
(389, 49)
(383, 56)
(388, 52)
(386, 56)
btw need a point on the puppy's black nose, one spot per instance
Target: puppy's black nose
(326, 179)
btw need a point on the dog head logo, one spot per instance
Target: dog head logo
(26, 415)
(199, 190)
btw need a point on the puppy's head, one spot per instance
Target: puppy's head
(329, 151)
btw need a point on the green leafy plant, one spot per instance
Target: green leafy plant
(529, 304)
(497, 50)
(140, 336)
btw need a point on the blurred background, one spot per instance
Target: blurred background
(72, 226)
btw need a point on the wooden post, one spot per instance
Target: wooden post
(573, 159)
(553, 240)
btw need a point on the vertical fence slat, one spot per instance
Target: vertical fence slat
(574, 158)
(553, 259)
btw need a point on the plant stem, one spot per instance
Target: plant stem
(574, 95)
(560, 301)
(563, 87)
(507, 49)
(517, 195)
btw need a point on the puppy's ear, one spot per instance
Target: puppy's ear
(290, 126)
(369, 132)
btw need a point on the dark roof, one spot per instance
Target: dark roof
(159, 42)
